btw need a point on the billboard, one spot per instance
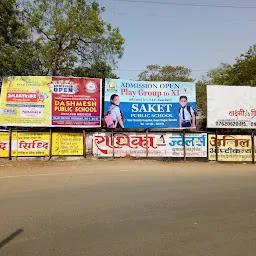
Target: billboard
(4, 144)
(234, 148)
(195, 145)
(140, 104)
(25, 101)
(231, 106)
(159, 145)
(25, 144)
(76, 102)
(45, 101)
(67, 144)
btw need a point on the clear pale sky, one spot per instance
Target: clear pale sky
(195, 37)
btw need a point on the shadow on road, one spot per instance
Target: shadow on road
(11, 237)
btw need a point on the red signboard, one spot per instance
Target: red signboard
(22, 97)
(76, 101)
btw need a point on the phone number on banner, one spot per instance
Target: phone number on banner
(231, 123)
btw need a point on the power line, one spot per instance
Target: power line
(141, 70)
(191, 4)
(186, 20)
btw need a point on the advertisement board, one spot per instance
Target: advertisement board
(231, 107)
(67, 144)
(44, 101)
(195, 145)
(76, 102)
(30, 144)
(235, 148)
(159, 145)
(4, 144)
(140, 104)
(25, 101)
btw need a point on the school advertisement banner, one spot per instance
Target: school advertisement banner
(236, 148)
(158, 144)
(25, 101)
(67, 144)
(46, 101)
(76, 102)
(139, 104)
(231, 107)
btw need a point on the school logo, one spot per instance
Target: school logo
(112, 86)
(91, 87)
(187, 88)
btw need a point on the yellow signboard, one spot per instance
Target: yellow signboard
(30, 144)
(67, 144)
(236, 148)
(26, 101)
(4, 144)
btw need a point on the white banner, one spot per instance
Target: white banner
(195, 145)
(231, 107)
(159, 145)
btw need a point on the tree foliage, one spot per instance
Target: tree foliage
(16, 48)
(242, 72)
(72, 34)
(166, 73)
(57, 37)
(99, 70)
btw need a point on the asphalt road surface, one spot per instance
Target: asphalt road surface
(127, 207)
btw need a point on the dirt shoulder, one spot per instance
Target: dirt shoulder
(30, 166)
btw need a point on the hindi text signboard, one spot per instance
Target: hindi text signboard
(159, 145)
(30, 144)
(234, 148)
(67, 144)
(195, 145)
(231, 107)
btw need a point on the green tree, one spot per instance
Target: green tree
(242, 72)
(99, 70)
(71, 35)
(16, 48)
(166, 73)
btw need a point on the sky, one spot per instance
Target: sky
(199, 38)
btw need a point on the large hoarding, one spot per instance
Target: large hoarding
(158, 145)
(51, 101)
(231, 106)
(140, 104)
(25, 101)
(230, 148)
(76, 102)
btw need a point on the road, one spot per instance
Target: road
(127, 207)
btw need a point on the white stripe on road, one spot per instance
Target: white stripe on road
(43, 174)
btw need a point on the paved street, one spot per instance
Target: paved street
(127, 207)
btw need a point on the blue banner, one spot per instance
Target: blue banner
(140, 104)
